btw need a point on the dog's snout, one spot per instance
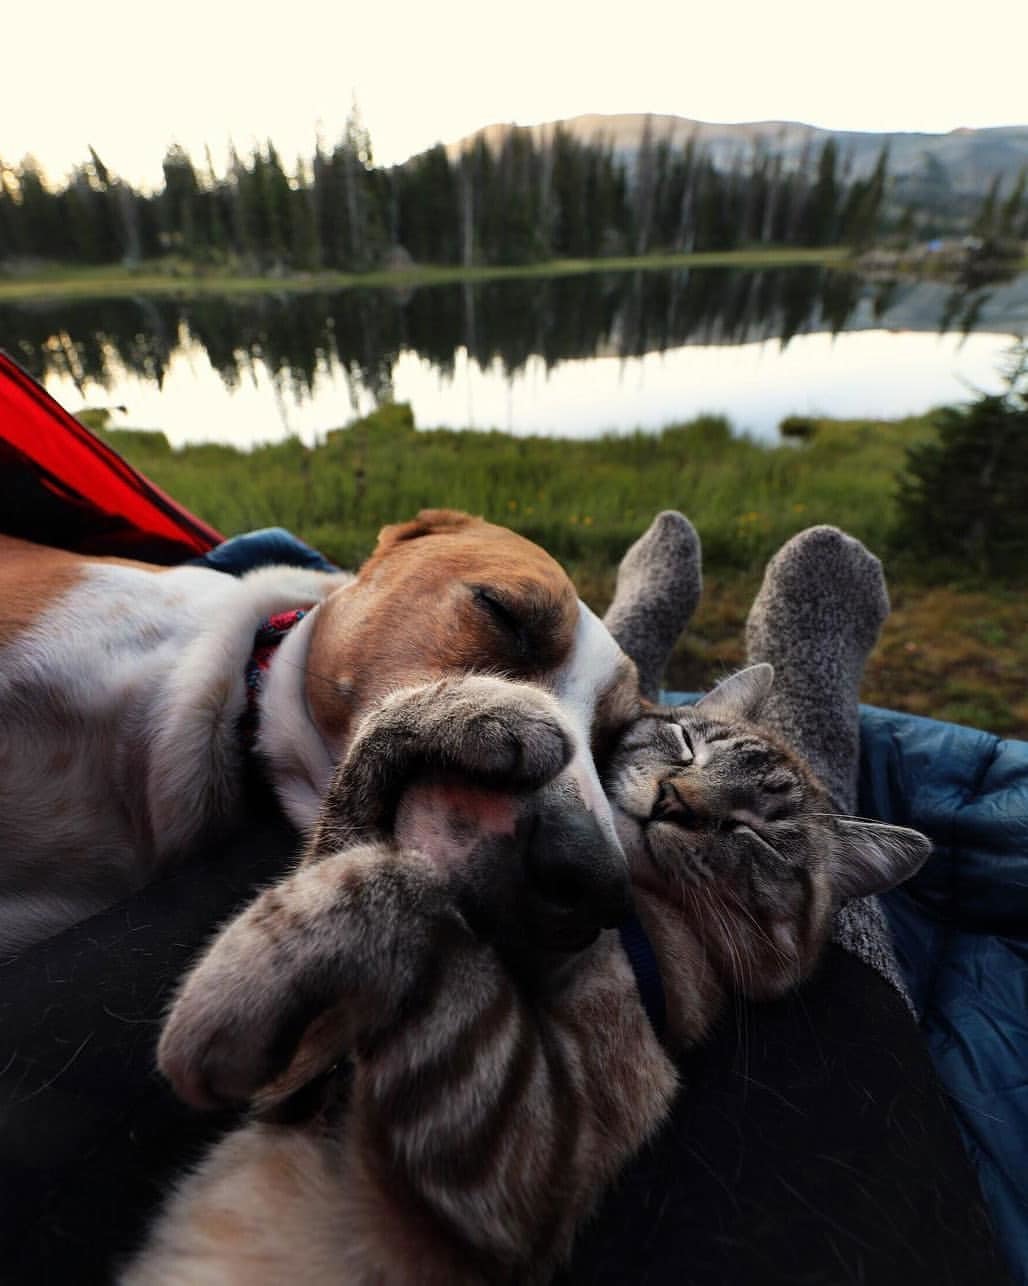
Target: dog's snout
(551, 885)
(577, 876)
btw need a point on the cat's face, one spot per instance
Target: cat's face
(722, 819)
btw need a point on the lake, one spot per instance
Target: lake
(574, 356)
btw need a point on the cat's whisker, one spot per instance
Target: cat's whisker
(739, 971)
(843, 817)
(740, 906)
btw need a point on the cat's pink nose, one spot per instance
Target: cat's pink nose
(671, 806)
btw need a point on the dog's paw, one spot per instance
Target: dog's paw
(511, 733)
(482, 727)
(489, 733)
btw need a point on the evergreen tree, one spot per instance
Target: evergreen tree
(862, 207)
(178, 201)
(467, 210)
(685, 233)
(304, 250)
(963, 494)
(645, 187)
(819, 220)
(274, 200)
(214, 212)
(985, 225)
(10, 231)
(428, 217)
(515, 214)
(519, 200)
(1010, 219)
(570, 184)
(769, 214)
(118, 209)
(329, 209)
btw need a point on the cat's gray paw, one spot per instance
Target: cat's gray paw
(296, 978)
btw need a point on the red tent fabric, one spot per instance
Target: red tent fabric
(60, 485)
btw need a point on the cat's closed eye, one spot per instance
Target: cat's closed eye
(681, 742)
(654, 737)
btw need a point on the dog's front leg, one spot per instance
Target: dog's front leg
(492, 732)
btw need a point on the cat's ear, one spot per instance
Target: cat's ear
(741, 695)
(871, 857)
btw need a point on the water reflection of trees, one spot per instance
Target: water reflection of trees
(298, 338)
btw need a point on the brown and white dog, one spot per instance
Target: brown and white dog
(122, 689)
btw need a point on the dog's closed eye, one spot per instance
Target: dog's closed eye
(502, 614)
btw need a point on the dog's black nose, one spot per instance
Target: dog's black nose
(577, 878)
(550, 886)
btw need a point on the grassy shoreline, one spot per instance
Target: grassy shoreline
(954, 648)
(114, 280)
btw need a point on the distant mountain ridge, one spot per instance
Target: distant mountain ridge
(962, 162)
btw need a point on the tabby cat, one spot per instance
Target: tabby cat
(488, 1094)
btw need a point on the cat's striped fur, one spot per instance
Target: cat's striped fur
(493, 1093)
(482, 1117)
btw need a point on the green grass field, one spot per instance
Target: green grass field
(176, 277)
(953, 649)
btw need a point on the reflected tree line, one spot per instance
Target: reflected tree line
(520, 198)
(299, 338)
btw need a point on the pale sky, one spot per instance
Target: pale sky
(130, 78)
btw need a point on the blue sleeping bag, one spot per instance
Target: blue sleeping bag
(961, 932)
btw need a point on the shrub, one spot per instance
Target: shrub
(797, 426)
(965, 494)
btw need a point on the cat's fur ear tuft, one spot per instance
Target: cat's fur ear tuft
(871, 857)
(741, 695)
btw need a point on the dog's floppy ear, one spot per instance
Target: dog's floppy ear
(429, 522)
(289, 985)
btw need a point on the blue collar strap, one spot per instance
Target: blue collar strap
(641, 957)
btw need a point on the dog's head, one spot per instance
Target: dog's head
(443, 598)
(443, 594)
(448, 594)
(485, 778)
